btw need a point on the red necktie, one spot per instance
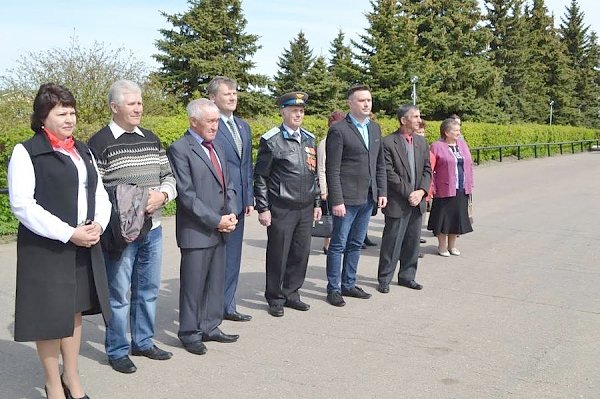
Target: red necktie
(215, 162)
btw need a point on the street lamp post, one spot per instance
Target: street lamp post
(414, 81)
(551, 109)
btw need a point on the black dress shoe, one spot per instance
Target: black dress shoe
(335, 298)
(356, 292)
(276, 310)
(196, 348)
(369, 243)
(422, 241)
(123, 365)
(412, 284)
(297, 304)
(220, 336)
(154, 353)
(67, 391)
(383, 288)
(237, 316)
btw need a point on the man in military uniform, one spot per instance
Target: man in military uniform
(287, 200)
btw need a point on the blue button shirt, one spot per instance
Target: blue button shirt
(363, 128)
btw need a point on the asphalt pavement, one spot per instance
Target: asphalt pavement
(517, 315)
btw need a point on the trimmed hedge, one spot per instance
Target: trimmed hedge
(170, 129)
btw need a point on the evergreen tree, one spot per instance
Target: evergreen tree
(388, 55)
(208, 39)
(294, 65)
(582, 52)
(341, 64)
(549, 62)
(461, 78)
(326, 92)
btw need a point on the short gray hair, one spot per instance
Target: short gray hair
(195, 107)
(405, 109)
(116, 93)
(213, 85)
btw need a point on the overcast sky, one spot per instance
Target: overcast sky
(35, 25)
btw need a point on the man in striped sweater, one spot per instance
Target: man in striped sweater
(128, 154)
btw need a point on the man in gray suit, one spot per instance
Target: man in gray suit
(235, 137)
(206, 213)
(408, 179)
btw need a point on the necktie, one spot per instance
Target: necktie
(215, 162)
(236, 135)
(296, 136)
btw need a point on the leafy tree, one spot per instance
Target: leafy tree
(208, 39)
(86, 72)
(294, 65)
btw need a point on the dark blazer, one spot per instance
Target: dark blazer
(240, 169)
(398, 175)
(201, 200)
(350, 168)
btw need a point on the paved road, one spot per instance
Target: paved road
(517, 315)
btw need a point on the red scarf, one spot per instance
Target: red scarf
(67, 144)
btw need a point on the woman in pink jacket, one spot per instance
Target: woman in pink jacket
(452, 186)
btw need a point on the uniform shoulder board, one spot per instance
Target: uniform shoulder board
(309, 134)
(270, 133)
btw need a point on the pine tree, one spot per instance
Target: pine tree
(294, 65)
(461, 78)
(326, 91)
(549, 62)
(582, 52)
(208, 39)
(341, 64)
(387, 54)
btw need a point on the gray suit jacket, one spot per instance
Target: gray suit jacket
(201, 201)
(350, 167)
(398, 176)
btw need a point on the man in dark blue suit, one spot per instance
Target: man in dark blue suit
(235, 137)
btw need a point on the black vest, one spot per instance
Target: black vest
(57, 181)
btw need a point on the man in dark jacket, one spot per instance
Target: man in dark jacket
(287, 200)
(356, 182)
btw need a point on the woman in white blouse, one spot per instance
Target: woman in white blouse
(60, 202)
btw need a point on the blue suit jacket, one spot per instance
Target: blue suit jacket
(240, 169)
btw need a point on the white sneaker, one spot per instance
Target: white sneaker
(445, 254)
(454, 252)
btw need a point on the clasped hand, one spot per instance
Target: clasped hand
(86, 235)
(227, 223)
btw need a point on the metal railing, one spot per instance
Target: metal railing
(544, 147)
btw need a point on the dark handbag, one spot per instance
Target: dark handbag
(470, 209)
(324, 226)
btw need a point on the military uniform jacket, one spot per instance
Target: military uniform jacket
(285, 173)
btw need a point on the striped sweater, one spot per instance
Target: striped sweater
(133, 159)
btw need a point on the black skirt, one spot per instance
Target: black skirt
(85, 291)
(449, 215)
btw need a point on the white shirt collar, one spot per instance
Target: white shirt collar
(227, 119)
(118, 131)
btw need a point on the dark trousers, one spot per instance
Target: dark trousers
(400, 242)
(201, 292)
(233, 259)
(288, 248)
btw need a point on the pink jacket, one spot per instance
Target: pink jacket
(444, 168)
